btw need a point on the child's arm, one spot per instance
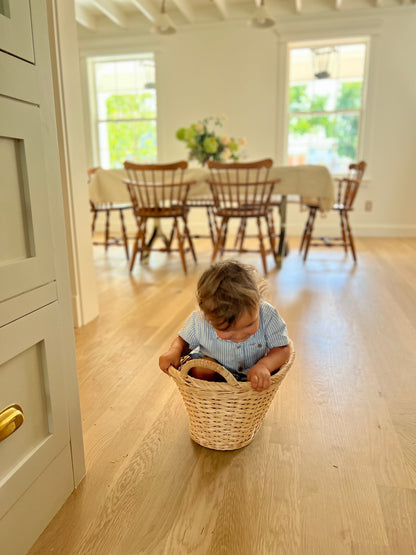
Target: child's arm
(260, 374)
(172, 357)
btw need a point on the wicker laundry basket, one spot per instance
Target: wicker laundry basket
(224, 416)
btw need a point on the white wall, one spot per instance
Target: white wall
(240, 71)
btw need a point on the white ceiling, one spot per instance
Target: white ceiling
(98, 16)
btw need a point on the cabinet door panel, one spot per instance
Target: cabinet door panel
(31, 376)
(16, 28)
(25, 241)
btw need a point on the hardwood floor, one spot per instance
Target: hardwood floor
(332, 470)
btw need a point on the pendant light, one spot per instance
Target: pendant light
(261, 17)
(163, 24)
(323, 60)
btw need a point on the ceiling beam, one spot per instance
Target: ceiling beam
(222, 7)
(84, 18)
(112, 11)
(186, 9)
(147, 9)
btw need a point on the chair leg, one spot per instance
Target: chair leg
(243, 234)
(218, 240)
(305, 231)
(240, 235)
(180, 244)
(135, 249)
(343, 231)
(188, 236)
(94, 217)
(309, 232)
(271, 231)
(107, 229)
(224, 237)
(211, 224)
(349, 235)
(262, 249)
(124, 232)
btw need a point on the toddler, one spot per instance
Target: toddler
(234, 326)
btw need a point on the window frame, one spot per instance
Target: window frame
(287, 46)
(94, 121)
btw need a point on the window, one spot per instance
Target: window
(123, 108)
(326, 106)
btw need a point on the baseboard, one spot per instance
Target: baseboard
(364, 230)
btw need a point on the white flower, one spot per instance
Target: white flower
(226, 153)
(225, 140)
(199, 127)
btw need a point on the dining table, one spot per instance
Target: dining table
(305, 181)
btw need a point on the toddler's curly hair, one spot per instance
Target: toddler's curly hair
(226, 290)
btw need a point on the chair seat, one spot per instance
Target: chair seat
(172, 212)
(250, 212)
(104, 206)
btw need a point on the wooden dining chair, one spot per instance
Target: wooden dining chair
(243, 191)
(107, 208)
(159, 192)
(347, 191)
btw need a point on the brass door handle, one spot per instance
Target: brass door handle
(11, 418)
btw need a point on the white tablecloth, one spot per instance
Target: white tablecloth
(308, 181)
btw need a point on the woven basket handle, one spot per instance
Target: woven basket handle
(205, 363)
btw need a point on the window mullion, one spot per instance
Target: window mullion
(127, 120)
(326, 112)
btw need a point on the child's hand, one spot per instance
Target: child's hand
(169, 358)
(260, 378)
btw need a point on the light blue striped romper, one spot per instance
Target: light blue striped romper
(238, 358)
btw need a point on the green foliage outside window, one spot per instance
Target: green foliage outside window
(133, 138)
(343, 127)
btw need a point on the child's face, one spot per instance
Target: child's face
(244, 327)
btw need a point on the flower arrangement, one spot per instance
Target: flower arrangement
(204, 143)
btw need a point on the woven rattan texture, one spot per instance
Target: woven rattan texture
(225, 416)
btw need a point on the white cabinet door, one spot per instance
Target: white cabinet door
(25, 234)
(16, 29)
(31, 377)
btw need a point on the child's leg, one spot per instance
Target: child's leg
(201, 373)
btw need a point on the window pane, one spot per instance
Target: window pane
(131, 106)
(349, 95)
(312, 97)
(134, 141)
(330, 140)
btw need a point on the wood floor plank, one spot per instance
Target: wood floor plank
(399, 508)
